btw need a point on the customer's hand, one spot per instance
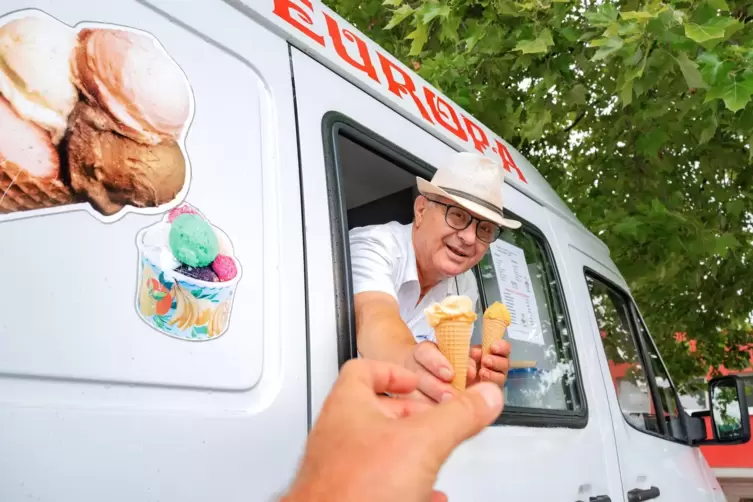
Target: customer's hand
(373, 448)
(493, 367)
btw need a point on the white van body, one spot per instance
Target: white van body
(95, 405)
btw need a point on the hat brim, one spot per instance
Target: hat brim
(426, 187)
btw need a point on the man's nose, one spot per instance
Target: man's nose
(468, 236)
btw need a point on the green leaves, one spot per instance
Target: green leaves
(540, 45)
(607, 46)
(430, 10)
(650, 142)
(690, 72)
(713, 29)
(719, 4)
(577, 95)
(712, 67)
(726, 243)
(735, 93)
(605, 15)
(398, 16)
(709, 129)
(638, 15)
(419, 36)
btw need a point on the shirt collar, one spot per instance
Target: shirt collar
(411, 268)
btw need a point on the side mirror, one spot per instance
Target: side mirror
(730, 421)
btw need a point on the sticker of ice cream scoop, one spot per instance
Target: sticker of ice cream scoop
(92, 117)
(188, 275)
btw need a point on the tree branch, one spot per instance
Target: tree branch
(575, 122)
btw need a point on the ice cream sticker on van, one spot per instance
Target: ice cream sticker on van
(92, 117)
(187, 276)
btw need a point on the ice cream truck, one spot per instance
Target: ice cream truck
(177, 184)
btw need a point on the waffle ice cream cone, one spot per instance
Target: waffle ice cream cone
(496, 320)
(20, 191)
(29, 165)
(452, 321)
(454, 340)
(493, 330)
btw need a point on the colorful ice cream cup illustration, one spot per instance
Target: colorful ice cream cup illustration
(187, 301)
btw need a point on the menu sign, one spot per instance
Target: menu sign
(516, 291)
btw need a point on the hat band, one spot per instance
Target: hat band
(473, 198)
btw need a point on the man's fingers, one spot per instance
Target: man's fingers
(380, 377)
(492, 376)
(496, 363)
(443, 428)
(434, 388)
(476, 352)
(472, 370)
(430, 358)
(401, 407)
(501, 348)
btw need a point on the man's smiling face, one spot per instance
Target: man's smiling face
(442, 251)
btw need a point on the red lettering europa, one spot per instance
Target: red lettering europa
(507, 161)
(407, 87)
(442, 110)
(334, 32)
(285, 9)
(480, 141)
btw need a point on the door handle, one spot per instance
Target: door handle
(598, 498)
(638, 495)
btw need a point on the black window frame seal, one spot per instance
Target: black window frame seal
(643, 356)
(336, 123)
(681, 415)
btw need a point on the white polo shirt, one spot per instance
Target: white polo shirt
(383, 259)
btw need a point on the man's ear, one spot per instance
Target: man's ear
(419, 208)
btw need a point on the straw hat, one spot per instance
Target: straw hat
(474, 182)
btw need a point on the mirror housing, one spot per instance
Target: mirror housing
(730, 421)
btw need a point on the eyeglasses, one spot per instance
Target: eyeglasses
(460, 219)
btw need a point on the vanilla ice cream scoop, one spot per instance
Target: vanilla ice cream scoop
(134, 81)
(452, 308)
(35, 74)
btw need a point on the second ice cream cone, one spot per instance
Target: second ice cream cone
(496, 320)
(454, 340)
(493, 330)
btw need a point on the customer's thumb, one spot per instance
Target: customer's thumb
(450, 423)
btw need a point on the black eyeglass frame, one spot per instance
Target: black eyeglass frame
(470, 221)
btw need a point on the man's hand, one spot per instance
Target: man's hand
(435, 372)
(374, 448)
(493, 367)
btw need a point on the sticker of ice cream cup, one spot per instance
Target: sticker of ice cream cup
(96, 116)
(188, 275)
